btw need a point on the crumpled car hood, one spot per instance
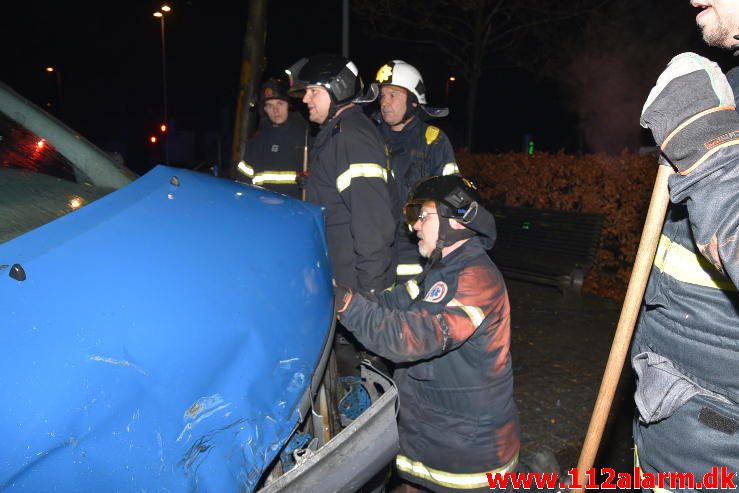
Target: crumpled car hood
(162, 339)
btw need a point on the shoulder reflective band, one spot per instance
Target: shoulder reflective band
(413, 290)
(432, 133)
(450, 479)
(360, 170)
(408, 269)
(275, 177)
(677, 261)
(475, 313)
(450, 169)
(246, 169)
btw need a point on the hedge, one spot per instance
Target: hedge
(617, 186)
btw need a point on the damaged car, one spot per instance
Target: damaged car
(169, 332)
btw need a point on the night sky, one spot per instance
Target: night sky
(109, 56)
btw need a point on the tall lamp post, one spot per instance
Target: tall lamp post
(58, 74)
(163, 10)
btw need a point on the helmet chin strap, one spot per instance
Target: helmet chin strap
(332, 109)
(410, 109)
(448, 236)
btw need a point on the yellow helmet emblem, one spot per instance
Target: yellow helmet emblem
(384, 74)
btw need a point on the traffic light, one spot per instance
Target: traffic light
(163, 128)
(153, 139)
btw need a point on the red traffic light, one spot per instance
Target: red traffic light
(163, 127)
(153, 139)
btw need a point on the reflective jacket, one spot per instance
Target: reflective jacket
(274, 155)
(686, 347)
(348, 177)
(450, 340)
(418, 151)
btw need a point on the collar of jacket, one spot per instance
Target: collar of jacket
(336, 119)
(409, 128)
(471, 249)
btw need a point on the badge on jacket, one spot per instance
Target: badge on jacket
(436, 293)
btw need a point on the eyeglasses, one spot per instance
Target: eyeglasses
(423, 214)
(413, 212)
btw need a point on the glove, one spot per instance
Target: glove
(302, 178)
(342, 298)
(691, 111)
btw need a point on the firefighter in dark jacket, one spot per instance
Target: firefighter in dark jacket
(274, 155)
(449, 334)
(348, 174)
(685, 352)
(417, 150)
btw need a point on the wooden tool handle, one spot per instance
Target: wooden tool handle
(629, 313)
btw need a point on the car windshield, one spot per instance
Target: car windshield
(37, 183)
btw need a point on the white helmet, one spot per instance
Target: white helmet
(403, 74)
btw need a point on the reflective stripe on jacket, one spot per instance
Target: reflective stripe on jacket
(686, 344)
(274, 155)
(418, 151)
(450, 338)
(348, 177)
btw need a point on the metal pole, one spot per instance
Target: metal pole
(345, 28)
(164, 92)
(252, 65)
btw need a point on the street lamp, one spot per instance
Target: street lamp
(164, 9)
(446, 91)
(58, 74)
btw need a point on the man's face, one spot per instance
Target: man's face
(427, 229)
(276, 110)
(718, 20)
(319, 102)
(393, 101)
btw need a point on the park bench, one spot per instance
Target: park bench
(550, 247)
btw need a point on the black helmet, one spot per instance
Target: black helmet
(337, 74)
(455, 198)
(274, 88)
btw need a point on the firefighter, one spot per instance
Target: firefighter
(417, 150)
(348, 176)
(448, 332)
(274, 156)
(685, 352)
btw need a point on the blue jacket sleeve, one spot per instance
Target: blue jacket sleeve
(711, 193)
(424, 329)
(441, 159)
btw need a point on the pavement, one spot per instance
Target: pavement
(560, 345)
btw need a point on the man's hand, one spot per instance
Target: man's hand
(690, 110)
(342, 298)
